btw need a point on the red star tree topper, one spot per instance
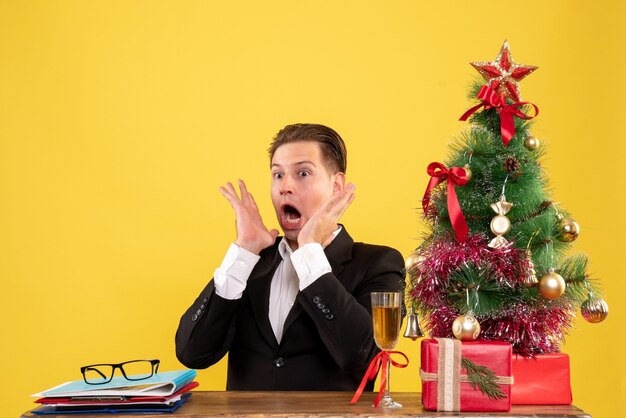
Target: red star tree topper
(503, 74)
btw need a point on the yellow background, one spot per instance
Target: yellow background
(119, 120)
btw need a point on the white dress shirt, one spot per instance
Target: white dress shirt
(296, 271)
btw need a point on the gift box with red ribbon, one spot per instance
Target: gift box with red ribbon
(445, 383)
(542, 380)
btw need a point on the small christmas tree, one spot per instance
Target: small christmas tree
(494, 263)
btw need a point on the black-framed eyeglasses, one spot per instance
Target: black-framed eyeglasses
(98, 374)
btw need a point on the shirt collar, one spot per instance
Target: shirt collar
(285, 250)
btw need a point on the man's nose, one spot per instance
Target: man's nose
(286, 184)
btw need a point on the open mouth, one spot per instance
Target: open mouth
(291, 215)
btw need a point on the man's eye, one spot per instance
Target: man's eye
(277, 175)
(304, 173)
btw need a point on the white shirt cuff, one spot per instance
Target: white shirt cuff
(231, 276)
(310, 263)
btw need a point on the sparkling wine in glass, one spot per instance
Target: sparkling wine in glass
(387, 318)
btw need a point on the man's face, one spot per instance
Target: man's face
(301, 184)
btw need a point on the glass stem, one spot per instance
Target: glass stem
(388, 383)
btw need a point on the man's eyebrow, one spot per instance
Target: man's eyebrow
(296, 163)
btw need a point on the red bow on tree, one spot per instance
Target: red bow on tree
(490, 99)
(456, 176)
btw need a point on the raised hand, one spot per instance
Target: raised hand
(321, 225)
(252, 234)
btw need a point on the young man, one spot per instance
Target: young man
(294, 312)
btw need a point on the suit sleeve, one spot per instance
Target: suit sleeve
(343, 315)
(206, 329)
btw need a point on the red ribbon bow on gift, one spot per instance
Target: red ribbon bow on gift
(381, 360)
(490, 99)
(456, 176)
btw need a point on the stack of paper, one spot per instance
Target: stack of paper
(163, 392)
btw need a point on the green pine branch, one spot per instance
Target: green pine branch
(574, 272)
(486, 297)
(483, 379)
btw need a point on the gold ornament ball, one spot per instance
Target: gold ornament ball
(466, 328)
(468, 172)
(551, 285)
(594, 310)
(531, 143)
(500, 225)
(413, 263)
(568, 230)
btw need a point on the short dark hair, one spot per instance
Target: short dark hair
(333, 148)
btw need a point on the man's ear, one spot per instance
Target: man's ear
(339, 182)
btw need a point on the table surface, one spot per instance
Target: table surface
(323, 404)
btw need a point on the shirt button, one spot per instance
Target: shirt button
(199, 312)
(279, 362)
(205, 300)
(290, 304)
(316, 299)
(320, 306)
(330, 316)
(242, 264)
(194, 317)
(325, 310)
(202, 306)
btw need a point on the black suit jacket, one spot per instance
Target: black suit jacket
(327, 341)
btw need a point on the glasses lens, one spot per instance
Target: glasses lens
(98, 374)
(137, 370)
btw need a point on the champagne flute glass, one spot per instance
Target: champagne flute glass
(387, 318)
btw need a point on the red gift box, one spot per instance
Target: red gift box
(542, 380)
(444, 388)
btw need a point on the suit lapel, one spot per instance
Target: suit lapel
(338, 253)
(258, 290)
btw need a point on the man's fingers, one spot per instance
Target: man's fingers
(245, 196)
(253, 202)
(231, 189)
(342, 206)
(229, 192)
(348, 203)
(345, 194)
(340, 202)
(229, 196)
